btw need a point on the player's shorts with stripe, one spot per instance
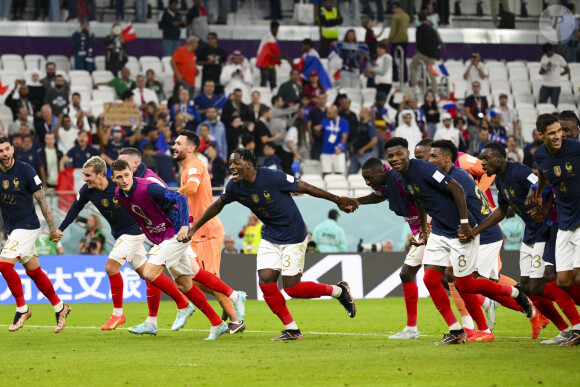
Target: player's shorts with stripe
(129, 249)
(174, 255)
(487, 261)
(209, 253)
(441, 250)
(550, 249)
(288, 259)
(415, 255)
(21, 244)
(568, 249)
(531, 263)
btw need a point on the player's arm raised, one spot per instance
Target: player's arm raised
(41, 200)
(493, 219)
(345, 204)
(212, 211)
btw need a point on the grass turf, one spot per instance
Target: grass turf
(336, 350)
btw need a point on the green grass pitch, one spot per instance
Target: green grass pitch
(336, 350)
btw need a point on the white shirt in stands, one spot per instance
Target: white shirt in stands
(452, 134)
(474, 73)
(383, 71)
(148, 96)
(554, 66)
(411, 133)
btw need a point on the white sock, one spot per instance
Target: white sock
(411, 329)
(336, 291)
(22, 309)
(117, 312)
(455, 327)
(576, 327)
(565, 330)
(467, 322)
(58, 307)
(234, 322)
(292, 326)
(487, 330)
(234, 296)
(152, 320)
(515, 292)
(486, 304)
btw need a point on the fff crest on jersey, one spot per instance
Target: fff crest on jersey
(255, 198)
(568, 167)
(557, 170)
(105, 202)
(513, 192)
(5, 184)
(116, 202)
(16, 183)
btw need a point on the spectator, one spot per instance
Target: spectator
(530, 149)
(209, 99)
(115, 54)
(151, 114)
(252, 234)
(370, 37)
(513, 231)
(328, 21)
(432, 116)
(297, 141)
(237, 74)
(79, 118)
(291, 90)
(223, 10)
(83, 41)
(496, 131)
(234, 107)
(35, 92)
(380, 119)
(148, 159)
(22, 119)
(44, 246)
(350, 117)
(66, 135)
(140, 11)
(186, 110)
(94, 238)
(475, 106)
(212, 58)
(432, 17)
(335, 131)
(475, 70)
(459, 124)
(418, 113)
(154, 85)
(80, 153)
(235, 131)
(514, 153)
(142, 96)
(150, 136)
(315, 118)
(262, 132)
(121, 85)
(352, 54)
(197, 21)
(509, 117)
(446, 130)
(113, 142)
(218, 131)
(569, 123)
(216, 167)
(249, 142)
(271, 160)
(184, 66)
(551, 69)
(205, 138)
(388, 246)
(364, 139)
(171, 22)
(308, 48)
(329, 236)
(46, 123)
(57, 97)
(569, 39)
(382, 69)
(15, 104)
(256, 106)
(313, 89)
(50, 156)
(428, 50)
(48, 81)
(479, 141)
(119, 6)
(275, 10)
(281, 118)
(27, 154)
(408, 129)
(268, 56)
(399, 37)
(229, 245)
(350, 11)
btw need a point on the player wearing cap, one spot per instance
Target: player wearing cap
(20, 184)
(497, 133)
(283, 246)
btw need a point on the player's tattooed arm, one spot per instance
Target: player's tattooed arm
(41, 200)
(212, 211)
(345, 204)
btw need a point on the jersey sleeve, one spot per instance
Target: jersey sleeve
(34, 182)
(166, 199)
(228, 195)
(192, 181)
(284, 182)
(435, 177)
(81, 200)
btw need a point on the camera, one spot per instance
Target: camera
(368, 247)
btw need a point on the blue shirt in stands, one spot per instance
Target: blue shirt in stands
(18, 186)
(80, 156)
(108, 205)
(203, 102)
(269, 198)
(333, 131)
(31, 157)
(562, 171)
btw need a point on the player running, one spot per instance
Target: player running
(164, 218)
(385, 181)
(20, 184)
(513, 181)
(207, 241)
(266, 193)
(440, 196)
(100, 190)
(557, 159)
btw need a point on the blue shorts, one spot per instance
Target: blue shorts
(550, 249)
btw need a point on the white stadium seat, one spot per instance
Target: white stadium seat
(34, 62)
(336, 181)
(311, 167)
(102, 76)
(544, 108)
(534, 71)
(315, 180)
(62, 62)
(100, 63)
(104, 95)
(528, 114)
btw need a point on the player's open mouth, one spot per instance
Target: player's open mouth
(235, 174)
(6, 160)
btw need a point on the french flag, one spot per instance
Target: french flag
(268, 48)
(312, 63)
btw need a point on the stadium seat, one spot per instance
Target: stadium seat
(167, 80)
(455, 69)
(81, 77)
(544, 108)
(331, 96)
(497, 71)
(100, 63)
(311, 167)
(134, 68)
(534, 71)
(461, 89)
(526, 129)
(62, 62)
(356, 181)
(34, 62)
(536, 85)
(336, 181)
(151, 62)
(166, 61)
(527, 114)
(359, 192)
(8, 77)
(524, 99)
(500, 86)
(83, 91)
(28, 75)
(518, 73)
(97, 107)
(567, 99)
(104, 95)
(567, 106)
(315, 180)
(102, 76)
(574, 71)
(521, 87)
(368, 96)
(355, 108)
(566, 88)
(339, 191)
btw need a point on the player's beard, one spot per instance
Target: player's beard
(178, 155)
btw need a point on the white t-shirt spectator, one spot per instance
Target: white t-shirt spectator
(473, 73)
(452, 134)
(508, 117)
(411, 133)
(66, 139)
(554, 66)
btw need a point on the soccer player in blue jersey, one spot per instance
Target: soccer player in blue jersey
(513, 182)
(281, 251)
(20, 184)
(559, 163)
(437, 194)
(129, 239)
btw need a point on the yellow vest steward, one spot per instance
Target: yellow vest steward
(330, 32)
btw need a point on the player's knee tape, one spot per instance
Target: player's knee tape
(432, 278)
